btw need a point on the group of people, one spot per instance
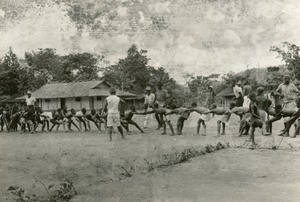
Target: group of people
(255, 109)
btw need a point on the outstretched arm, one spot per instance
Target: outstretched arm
(144, 113)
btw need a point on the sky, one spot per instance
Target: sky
(198, 37)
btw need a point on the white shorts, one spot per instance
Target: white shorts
(205, 117)
(113, 119)
(166, 118)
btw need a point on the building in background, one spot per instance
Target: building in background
(77, 95)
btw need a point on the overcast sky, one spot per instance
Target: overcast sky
(199, 37)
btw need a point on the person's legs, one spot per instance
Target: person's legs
(84, 123)
(179, 125)
(252, 130)
(199, 125)
(223, 129)
(54, 123)
(204, 128)
(243, 127)
(96, 124)
(74, 124)
(219, 127)
(110, 132)
(87, 121)
(58, 125)
(121, 131)
(297, 130)
(147, 117)
(164, 127)
(171, 127)
(159, 121)
(79, 123)
(31, 126)
(125, 125)
(161, 118)
(136, 125)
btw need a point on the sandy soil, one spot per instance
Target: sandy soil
(96, 166)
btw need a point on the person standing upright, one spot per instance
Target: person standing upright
(148, 105)
(288, 91)
(30, 102)
(211, 97)
(238, 92)
(112, 106)
(161, 96)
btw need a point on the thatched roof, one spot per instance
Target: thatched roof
(75, 89)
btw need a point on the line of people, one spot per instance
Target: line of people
(256, 110)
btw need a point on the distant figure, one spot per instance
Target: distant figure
(211, 97)
(161, 96)
(112, 106)
(148, 105)
(288, 91)
(272, 96)
(238, 92)
(30, 102)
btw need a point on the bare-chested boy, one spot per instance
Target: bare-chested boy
(161, 112)
(127, 119)
(184, 115)
(226, 113)
(255, 120)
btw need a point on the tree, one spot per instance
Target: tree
(48, 65)
(81, 66)
(160, 76)
(289, 53)
(131, 73)
(9, 75)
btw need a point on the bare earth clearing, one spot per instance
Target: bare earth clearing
(99, 169)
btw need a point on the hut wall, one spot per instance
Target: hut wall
(69, 102)
(99, 102)
(49, 104)
(85, 103)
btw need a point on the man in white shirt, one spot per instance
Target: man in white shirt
(149, 101)
(30, 101)
(112, 107)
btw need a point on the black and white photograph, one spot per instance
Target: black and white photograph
(149, 100)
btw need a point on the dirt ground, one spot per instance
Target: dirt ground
(227, 175)
(97, 166)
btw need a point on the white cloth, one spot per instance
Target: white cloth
(30, 101)
(113, 104)
(149, 99)
(113, 119)
(79, 113)
(48, 115)
(236, 90)
(147, 117)
(246, 102)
